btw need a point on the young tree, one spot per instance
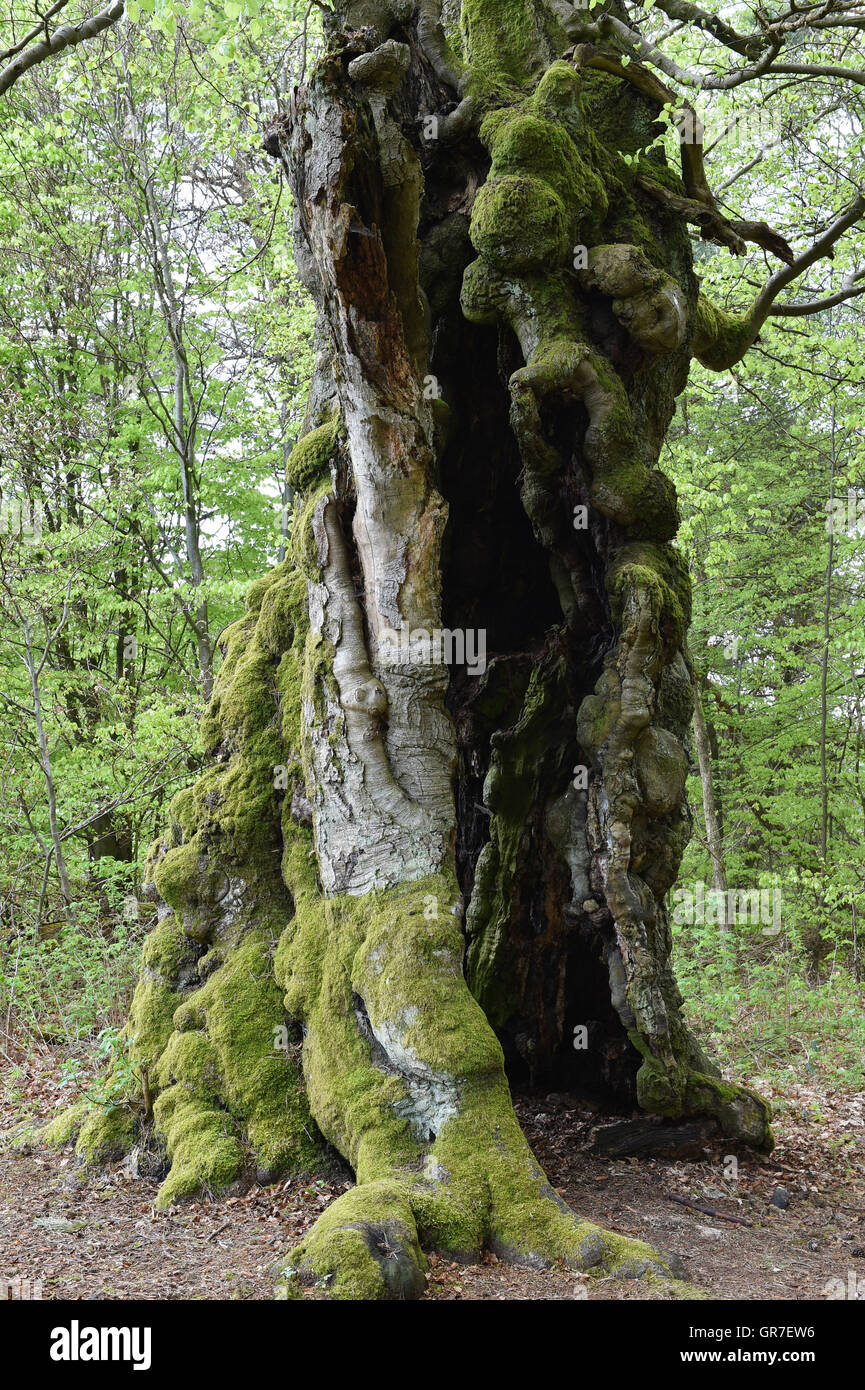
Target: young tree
(446, 876)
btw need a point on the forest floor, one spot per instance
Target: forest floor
(104, 1240)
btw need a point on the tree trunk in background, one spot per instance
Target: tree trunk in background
(707, 785)
(444, 874)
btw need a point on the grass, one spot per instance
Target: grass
(67, 989)
(762, 1015)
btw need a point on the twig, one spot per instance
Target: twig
(707, 1211)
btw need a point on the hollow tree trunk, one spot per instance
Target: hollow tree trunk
(440, 874)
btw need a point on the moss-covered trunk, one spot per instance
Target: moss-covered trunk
(422, 875)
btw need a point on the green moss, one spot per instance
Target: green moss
(182, 810)
(682, 1091)
(599, 714)
(539, 189)
(275, 627)
(202, 1143)
(364, 1246)
(628, 578)
(310, 458)
(739, 1111)
(228, 1097)
(259, 1084)
(507, 42)
(65, 1127)
(518, 222)
(190, 1060)
(206, 1027)
(100, 1134)
(105, 1135)
(664, 571)
(256, 592)
(455, 1190)
(165, 948)
(150, 1020)
(721, 339)
(177, 872)
(354, 1102)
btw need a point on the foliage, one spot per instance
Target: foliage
(145, 268)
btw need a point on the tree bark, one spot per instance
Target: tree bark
(707, 787)
(444, 876)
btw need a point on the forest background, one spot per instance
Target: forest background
(155, 350)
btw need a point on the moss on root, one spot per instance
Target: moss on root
(207, 1033)
(100, 1133)
(440, 1159)
(66, 1126)
(365, 1246)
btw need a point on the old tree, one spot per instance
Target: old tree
(394, 863)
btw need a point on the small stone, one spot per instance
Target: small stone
(781, 1198)
(57, 1223)
(813, 1244)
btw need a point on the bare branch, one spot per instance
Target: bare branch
(747, 45)
(721, 339)
(793, 311)
(817, 70)
(819, 248)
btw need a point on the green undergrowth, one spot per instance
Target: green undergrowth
(765, 1018)
(209, 1051)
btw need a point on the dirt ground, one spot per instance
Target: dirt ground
(105, 1240)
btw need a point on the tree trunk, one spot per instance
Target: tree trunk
(707, 786)
(444, 873)
(714, 837)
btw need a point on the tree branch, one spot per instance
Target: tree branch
(746, 45)
(64, 37)
(34, 32)
(819, 248)
(699, 206)
(721, 339)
